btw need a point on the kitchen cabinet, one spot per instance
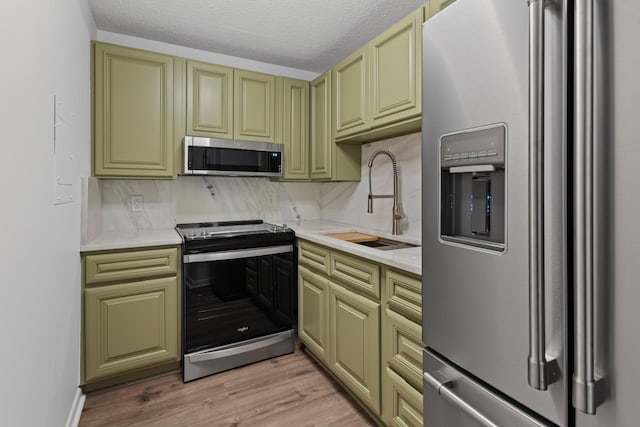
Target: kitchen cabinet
(351, 346)
(403, 403)
(329, 161)
(313, 312)
(209, 100)
(130, 312)
(377, 89)
(132, 113)
(355, 343)
(396, 72)
(351, 94)
(295, 129)
(254, 108)
(362, 320)
(402, 349)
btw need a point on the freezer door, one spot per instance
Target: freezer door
(476, 309)
(454, 399)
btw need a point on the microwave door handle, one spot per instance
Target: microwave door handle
(541, 372)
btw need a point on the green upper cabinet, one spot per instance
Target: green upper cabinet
(396, 72)
(321, 127)
(295, 129)
(329, 161)
(209, 100)
(254, 106)
(133, 113)
(436, 6)
(351, 94)
(377, 89)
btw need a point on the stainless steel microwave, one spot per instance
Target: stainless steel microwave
(210, 156)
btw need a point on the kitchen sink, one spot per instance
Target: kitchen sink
(387, 244)
(371, 241)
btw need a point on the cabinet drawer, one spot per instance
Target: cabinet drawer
(404, 294)
(402, 402)
(121, 266)
(130, 326)
(359, 274)
(402, 346)
(313, 256)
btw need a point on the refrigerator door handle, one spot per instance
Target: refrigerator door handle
(587, 391)
(541, 372)
(442, 381)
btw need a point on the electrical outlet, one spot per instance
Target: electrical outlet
(136, 203)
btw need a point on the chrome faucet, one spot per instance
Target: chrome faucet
(397, 208)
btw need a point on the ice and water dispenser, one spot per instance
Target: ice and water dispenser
(472, 208)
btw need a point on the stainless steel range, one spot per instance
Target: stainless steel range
(239, 298)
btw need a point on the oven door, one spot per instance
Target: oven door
(238, 295)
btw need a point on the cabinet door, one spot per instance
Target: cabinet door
(133, 113)
(254, 117)
(296, 129)
(355, 344)
(209, 100)
(130, 326)
(313, 310)
(351, 94)
(321, 140)
(395, 72)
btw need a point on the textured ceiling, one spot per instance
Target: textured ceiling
(309, 35)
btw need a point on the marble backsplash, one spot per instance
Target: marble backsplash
(347, 201)
(106, 203)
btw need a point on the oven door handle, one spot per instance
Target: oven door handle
(234, 351)
(237, 254)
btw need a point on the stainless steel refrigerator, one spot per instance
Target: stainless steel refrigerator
(531, 199)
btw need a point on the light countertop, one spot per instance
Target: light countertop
(409, 259)
(132, 239)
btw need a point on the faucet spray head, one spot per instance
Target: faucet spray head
(370, 204)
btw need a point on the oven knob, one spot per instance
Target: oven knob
(284, 227)
(204, 233)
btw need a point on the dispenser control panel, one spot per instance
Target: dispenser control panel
(480, 147)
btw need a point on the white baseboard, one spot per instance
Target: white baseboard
(76, 409)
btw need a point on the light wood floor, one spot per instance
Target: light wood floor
(291, 390)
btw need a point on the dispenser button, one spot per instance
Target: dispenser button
(473, 155)
(464, 155)
(482, 154)
(492, 153)
(448, 156)
(456, 156)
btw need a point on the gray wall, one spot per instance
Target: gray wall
(45, 49)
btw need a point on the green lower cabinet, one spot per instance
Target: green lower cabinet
(402, 405)
(130, 326)
(313, 312)
(402, 346)
(355, 344)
